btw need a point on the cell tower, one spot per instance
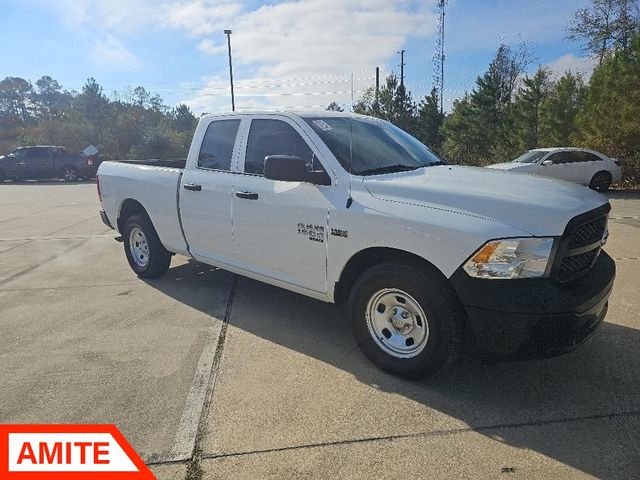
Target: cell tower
(438, 55)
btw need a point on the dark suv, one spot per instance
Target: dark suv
(46, 162)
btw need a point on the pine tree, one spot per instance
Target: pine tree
(429, 121)
(559, 110)
(610, 119)
(528, 107)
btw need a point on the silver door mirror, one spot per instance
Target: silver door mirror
(546, 163)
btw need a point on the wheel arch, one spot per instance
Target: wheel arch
(128, 208)
(369, 257)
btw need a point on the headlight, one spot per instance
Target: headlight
(511, 258)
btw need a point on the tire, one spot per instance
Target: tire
(601, 181)
(146, 255)
(3, 177)
(434, 322)
(70, 174)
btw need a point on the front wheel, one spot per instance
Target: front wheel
(146, 255)
(406, 320)
(601, 181)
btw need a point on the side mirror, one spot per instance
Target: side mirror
(546, 163)
(289, 168)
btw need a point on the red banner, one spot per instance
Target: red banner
(73, 452)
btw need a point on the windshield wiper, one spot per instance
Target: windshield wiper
(398, 167)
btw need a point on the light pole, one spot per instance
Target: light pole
(233, 102)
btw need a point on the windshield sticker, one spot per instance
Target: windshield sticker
(322, 125)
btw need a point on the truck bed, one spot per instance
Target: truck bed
(155, 162)
(151, 183)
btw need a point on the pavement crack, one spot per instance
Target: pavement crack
(194, 471)
(434, 433)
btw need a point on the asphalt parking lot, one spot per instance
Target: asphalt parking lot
(264, 383)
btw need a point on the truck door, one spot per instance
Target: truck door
(29, 164)
(280, 228)
(205, 193)
(47, 160)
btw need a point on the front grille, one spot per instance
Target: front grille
(575, 265)
(588, 233)
(577, 258)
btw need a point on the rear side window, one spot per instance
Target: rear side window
(273, 137)
(562, 157)
(588, 157)
(217, 146)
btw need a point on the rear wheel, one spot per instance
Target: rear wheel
(601, 181)
(70, 174)
(146, 255)
(406, 320)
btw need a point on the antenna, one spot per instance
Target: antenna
(438, 55)
(402, 64)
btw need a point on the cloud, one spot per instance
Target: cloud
(112, 53)
(106, 16)
(199, 17)
(574, 64)
(322, 41)
(207, 46)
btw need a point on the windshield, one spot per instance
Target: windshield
(531, 156)
(377, 145)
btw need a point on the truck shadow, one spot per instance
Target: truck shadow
(582, 409)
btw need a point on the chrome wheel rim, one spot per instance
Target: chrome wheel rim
(139, 247)
(397, 323)
(69, 174)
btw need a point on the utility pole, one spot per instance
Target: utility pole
(375, 105)
(401, 52)
(233, 101)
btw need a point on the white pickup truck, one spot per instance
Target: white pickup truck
(352, 210)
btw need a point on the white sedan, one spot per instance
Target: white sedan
(577, 165)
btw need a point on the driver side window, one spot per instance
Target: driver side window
(275, 137)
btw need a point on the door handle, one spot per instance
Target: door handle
(192, 186)
(247, 195)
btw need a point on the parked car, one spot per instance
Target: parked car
(42, 161)
(353, 210)
(577, 165)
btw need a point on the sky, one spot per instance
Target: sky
(286, 54)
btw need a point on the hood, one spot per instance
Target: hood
(536, 205)
(510, 166)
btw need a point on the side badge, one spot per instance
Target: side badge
(337, 232)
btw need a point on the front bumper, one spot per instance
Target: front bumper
(535, 318)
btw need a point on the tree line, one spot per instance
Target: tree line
(132, 124)
(508, 112)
